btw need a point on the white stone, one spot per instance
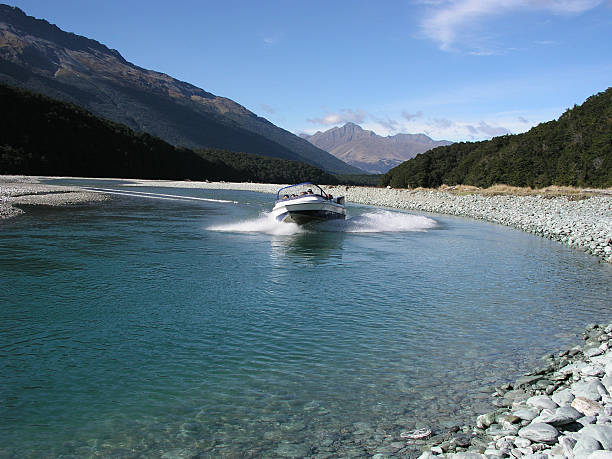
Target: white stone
(526, 413)
(563, 397)
(560, 416)
(601, 433)
(541, 402)
(539, 432)
(520, 442)
(601, 455)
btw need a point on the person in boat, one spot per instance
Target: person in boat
(330, 197)
(293, 195)
(285, 196)
(302, 193)
(309, 191)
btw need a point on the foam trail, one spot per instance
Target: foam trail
(381, 221)
(265, 223)
(144, 194)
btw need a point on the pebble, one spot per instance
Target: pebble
(539, 432)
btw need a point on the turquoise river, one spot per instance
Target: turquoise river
(149, 326)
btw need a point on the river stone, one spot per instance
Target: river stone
(510, 419)
(541, 402)
(607, 382)
(601, 433)
(485, 420)
(567, 443)
(592, 370)
(585, 446)
(588, 389)
(502, 431)
(601, 455)
(563, 397)
(593, 351)
(292, 450)
(559, 417)
(572, 367)
(521, 442)
(527, 380)
(517, 395)
(466, 455)
(526, 413)
(586, 406)
(539, 432)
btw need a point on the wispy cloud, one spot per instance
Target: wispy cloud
(272, 38)
(343, 116)
(411, 116)
(449, 21)
(487, 130)
(441, 123)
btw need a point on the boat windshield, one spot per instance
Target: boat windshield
(299, 190)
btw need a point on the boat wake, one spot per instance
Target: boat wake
(380, 221)
(265, 223)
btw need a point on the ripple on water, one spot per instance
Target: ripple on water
(169, 328)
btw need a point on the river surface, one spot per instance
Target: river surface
(149, 326)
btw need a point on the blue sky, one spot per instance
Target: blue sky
(453, 69)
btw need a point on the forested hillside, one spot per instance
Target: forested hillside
(575, 150)
(42, 136)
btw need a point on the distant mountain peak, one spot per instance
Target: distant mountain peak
(369, 151)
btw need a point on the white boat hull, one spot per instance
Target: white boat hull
(307, 209)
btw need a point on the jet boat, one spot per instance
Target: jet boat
(307, 203)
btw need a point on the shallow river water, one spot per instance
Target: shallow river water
(149, 326)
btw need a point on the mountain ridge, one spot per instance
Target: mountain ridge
(41, 57)
(369, 151)
(45, 136)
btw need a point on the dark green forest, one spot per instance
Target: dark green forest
(575, 150)
(43, 136)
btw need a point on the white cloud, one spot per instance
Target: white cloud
(489, 131)
(343, 116)
(448, 22)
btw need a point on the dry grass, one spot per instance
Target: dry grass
(507, 190)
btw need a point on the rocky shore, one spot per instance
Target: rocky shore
(563, 410)
(27, 191)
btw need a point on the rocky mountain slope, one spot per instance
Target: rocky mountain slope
(369, 151)
(41, 57)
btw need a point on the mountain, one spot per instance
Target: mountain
(369, 151)
(575, 150)
(41, 57)
(43, 136)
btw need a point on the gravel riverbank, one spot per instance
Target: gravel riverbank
(27, 191)
(562, 410)
(584, 224)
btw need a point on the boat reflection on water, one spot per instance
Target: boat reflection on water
(313, 246)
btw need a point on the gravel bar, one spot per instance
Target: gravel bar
(26, 191)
